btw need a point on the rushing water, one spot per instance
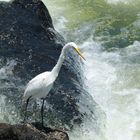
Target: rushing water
(108, 34)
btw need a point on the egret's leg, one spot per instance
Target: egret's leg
(42, 111)
(26, 108)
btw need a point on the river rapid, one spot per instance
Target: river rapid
(108, 34)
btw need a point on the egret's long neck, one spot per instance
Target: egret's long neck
(57, 67)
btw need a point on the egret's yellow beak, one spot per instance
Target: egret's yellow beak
(78, 51)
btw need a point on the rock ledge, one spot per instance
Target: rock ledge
(30, 132)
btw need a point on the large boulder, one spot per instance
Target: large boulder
(27, 35)
(29, 40)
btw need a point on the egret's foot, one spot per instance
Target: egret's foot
(38, 125)
(22, 122)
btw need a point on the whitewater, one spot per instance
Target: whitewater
(111, 76)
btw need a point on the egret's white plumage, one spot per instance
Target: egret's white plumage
(41, 85)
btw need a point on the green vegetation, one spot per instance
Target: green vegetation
(114, 24)
(120, 26)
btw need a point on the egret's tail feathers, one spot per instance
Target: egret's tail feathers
(24, 99)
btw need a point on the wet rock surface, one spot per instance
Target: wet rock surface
(29, 40)
(30, 132)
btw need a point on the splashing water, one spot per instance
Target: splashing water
(8, 112)
(112, 76)
(5, 0)
(113, 79)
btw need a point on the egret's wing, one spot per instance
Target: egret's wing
(39, 86)
(39, 77)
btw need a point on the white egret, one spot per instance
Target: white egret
(41, 84)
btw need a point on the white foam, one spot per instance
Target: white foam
(5, 0)
(109, 82)
(7, 109)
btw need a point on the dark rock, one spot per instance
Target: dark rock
(28, 37)
(30, 132)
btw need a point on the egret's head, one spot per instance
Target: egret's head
(75, 47)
